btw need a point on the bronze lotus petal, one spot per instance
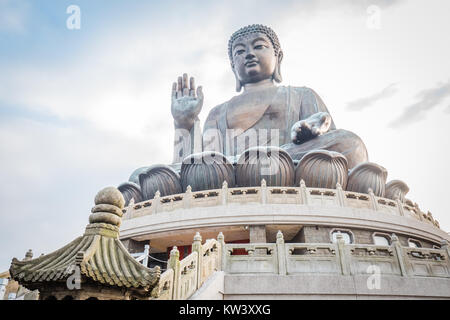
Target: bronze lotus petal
(396, 189)
(270, 163)
(205, 171)
(130, 190)
(160, 178)
(322, 169)
(368, 175)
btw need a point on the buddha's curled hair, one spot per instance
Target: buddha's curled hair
(254, 28)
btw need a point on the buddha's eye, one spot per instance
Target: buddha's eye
(259, 46)
(238, 52)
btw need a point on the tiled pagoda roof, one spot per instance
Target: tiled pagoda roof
(99, 254)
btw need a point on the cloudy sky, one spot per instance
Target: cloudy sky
(81, 109)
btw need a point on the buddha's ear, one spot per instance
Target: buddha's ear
(277, 73)
(238, 82)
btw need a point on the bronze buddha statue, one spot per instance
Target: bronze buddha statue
(267, 135)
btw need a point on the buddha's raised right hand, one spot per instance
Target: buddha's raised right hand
(186, 102)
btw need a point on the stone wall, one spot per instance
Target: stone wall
(320, 286)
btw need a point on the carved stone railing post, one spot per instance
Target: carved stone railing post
(197, 247)
(129, 210)
(303, 192)
(373, 200)
(343, 259)
(444, 246)
(400, 254)
(224, 193)
(219, 251)
(174, 263)
(156, 203)
(223, 257)
(187, 198)
(401, 210)
(418, 211)
(281, 254)
(263, 191)
(340, 195)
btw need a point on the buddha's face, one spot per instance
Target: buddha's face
(254, 58)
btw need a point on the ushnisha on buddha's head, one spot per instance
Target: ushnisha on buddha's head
(255, 55)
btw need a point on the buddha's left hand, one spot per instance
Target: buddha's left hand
(309, 128)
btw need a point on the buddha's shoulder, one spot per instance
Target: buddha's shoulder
(301, 90)
(214, 113)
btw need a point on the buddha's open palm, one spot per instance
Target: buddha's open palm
(186, 102)
(316, 125)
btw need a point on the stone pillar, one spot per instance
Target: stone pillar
(281, 252)
(197, 247)
(399, 253)
(174, 263)
(340, 195)
(187, 197)
(444, 246)
(156, 202)
(146, 254)
(303, 192)
(263, 191)
(373, 200)
(401, 211)
(222, 253)
(343, 259)
(258, 234)
(224, 193)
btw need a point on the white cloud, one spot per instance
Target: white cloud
(13, 16)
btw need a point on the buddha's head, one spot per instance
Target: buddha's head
(255, 55)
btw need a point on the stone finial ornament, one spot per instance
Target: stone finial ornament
(322, 169)
(197, 237)
(109, 203)
(269, 163)
(206, 170)
(159, 177)
(130, 190)
(396, 189)
(28, 255)
(368, 175)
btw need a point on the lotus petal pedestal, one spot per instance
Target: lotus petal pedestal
(368, 175)
(206, 171)
(270, 163)
(322, 169)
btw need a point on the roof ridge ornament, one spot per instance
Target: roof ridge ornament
(107, 213)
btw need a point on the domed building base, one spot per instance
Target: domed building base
(300, 242)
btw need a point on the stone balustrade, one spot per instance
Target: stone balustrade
(183, 278)
(277, 195)
(336, 258)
